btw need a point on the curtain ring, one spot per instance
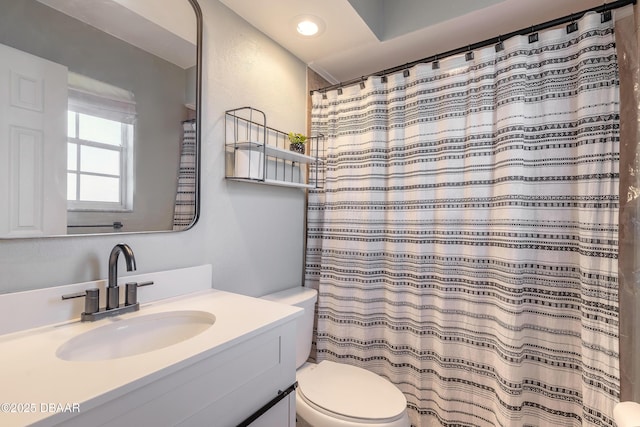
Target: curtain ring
(572, 27)
(469, 55)
(533, 37)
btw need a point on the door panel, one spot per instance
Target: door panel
(33, 135)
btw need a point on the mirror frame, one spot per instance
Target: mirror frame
(199, 32)
(198, 120)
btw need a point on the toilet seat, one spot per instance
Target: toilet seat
(350, 393)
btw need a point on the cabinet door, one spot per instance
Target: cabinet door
(283, 414)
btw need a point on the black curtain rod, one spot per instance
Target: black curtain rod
(495, 40)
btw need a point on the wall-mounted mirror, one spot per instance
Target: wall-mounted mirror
(98, 116)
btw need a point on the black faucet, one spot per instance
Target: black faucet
(92, 309)
(113, 292)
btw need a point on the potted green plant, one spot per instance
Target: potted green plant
(297, 141)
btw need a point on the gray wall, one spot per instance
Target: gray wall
(251, 234)
(159, 88)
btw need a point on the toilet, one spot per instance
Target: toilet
(331, 394)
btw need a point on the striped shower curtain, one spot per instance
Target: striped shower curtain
(184, 212)
(464, 243)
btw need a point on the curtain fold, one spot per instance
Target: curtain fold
(464, 244)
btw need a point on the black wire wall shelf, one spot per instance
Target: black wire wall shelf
(259, 154)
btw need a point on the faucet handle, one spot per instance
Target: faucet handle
(91, 302)
(74, 295)
(131, 296)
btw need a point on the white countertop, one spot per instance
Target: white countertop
(31, 373)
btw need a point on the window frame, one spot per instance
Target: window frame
(124, 176)
(97, 99)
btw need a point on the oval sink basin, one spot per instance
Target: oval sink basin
(136, 335)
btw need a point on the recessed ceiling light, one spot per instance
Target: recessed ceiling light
(307, 28)
(308, 25)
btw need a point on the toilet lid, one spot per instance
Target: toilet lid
(351, 392)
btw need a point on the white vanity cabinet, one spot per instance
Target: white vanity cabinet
(218, 391)
(282, 414)
(239, 371)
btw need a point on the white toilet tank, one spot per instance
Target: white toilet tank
(304, 298)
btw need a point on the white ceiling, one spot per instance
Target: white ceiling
(392, 32)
